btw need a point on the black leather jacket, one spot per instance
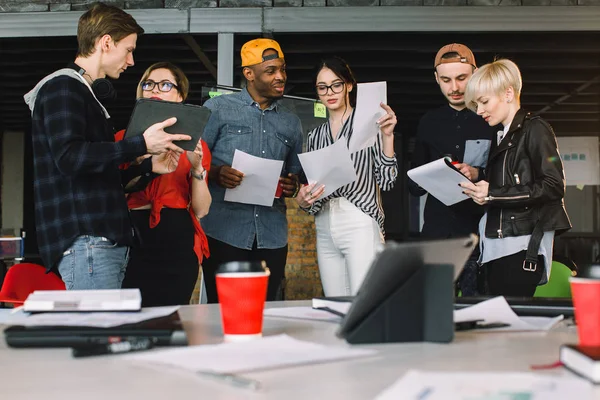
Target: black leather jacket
(527, 181)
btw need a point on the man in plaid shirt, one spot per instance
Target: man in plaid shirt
(82, 220)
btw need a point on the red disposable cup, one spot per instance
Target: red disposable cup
(242, 291)
(279, 190)
(586, 300)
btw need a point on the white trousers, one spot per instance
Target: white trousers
(347, 242)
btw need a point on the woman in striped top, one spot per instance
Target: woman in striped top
(349, 221)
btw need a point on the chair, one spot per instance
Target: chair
(558, 285)
(22, 279)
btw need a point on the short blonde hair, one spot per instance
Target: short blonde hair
(493, 79)
(182, 82)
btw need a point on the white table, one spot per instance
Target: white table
(53, 374)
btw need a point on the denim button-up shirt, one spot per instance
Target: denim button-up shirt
(237, 122)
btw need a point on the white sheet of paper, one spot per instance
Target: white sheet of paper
(581, 159)
(259, 185)
(473, 385)
(260, 354)
(497, 310)
(307, 313)
(330, 166)
(368, 110)
(91, 319)
(440, 181)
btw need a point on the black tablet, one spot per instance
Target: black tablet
(191, 119)
(395, 265)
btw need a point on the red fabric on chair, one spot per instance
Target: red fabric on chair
(22, 279)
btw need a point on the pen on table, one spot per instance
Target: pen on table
(232, 379)
(331, 310)
(478, 324)
(16, 309)
(125, 346)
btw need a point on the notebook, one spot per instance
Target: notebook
(584, 361)
(83, 300)
(166, 330)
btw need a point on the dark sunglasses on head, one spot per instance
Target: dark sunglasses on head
(163, 86)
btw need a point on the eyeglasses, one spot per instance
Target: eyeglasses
(163, 86)
(336, 87)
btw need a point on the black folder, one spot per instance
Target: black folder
(408, 293)
(164, 331)
(191, 119)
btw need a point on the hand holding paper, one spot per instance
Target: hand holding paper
(261, 176)
(308, 194)
(441, 180)
(367, 113)
(330, 166)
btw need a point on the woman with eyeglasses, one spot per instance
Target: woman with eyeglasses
(166, 213)
(349, 221)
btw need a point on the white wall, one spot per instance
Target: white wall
(13, 151)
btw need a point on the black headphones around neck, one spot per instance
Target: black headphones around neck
(103, 88)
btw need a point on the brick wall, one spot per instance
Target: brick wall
(302, 272)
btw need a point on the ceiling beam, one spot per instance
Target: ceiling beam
(195, 47)
(322, 19)
(573, 93)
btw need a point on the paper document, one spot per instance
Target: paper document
(84, 300)
(369, 97)
(261, 176)
(91, 319)
(581, 160)
(497, 310)
(260, 354)
(440, 180)
(330, 166)
(420, 385)
(307, 313)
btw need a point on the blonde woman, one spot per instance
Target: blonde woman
(525, 186)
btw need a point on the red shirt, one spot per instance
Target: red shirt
(172, 190)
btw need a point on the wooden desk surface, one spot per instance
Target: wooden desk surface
(53, 374)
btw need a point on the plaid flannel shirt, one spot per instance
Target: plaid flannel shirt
(77, 182)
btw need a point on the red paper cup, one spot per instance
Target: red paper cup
(279, 190)
(586, 300)
(242, 291)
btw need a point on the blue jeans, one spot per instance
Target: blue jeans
(93, 262)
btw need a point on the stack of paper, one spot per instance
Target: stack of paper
(84, 300)
(87, 319)
(306, 313)
(420, 385)
(497, 310)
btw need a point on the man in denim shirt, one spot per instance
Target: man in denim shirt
(254, 122)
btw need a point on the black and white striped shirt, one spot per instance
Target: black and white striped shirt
(374, 171)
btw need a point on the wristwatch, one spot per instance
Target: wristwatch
(200, 177)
